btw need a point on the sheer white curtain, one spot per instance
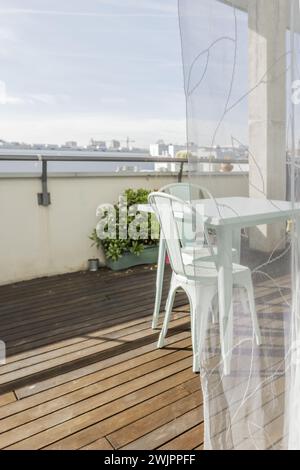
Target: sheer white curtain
(241, 74)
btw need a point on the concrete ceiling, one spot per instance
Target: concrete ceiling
(240, 4)
(243, 5)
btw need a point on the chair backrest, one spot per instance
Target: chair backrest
(169, 209)
(187, 192)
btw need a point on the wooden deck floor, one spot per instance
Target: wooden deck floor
(83, 371)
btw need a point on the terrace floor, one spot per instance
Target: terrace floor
(83, 371)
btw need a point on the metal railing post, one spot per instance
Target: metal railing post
(44, 197)
(180, 174)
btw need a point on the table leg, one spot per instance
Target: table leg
(159, 281)
(296, 280)
(236, 243)
(225, 287)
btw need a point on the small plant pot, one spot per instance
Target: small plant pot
(128, 260)
(226, 168)
(93, 264)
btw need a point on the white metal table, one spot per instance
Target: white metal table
(228, 216)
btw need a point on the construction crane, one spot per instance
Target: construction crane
(128, 141)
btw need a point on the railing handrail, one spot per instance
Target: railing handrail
(94, 156)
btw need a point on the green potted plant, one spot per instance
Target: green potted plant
(124, 252)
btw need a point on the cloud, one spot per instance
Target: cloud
(29, 98)
(139, 7)
(59, 129)
(113, 100)
(5, 98)
(7, 35)
(30, 11)
(45, 98)
(21, 11)
(8, 40)
(160, 6)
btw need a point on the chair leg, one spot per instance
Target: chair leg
(170, 302)
(167, 306)
(244, 303)
(159, 282)
(201, 300)
(253, 312)
(215, 310)
(226, 338)
(195, 313)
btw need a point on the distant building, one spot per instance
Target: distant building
(70, 145)
(224, 152)
(138, 150)
(39, 146)
(127, 169)
(25, 146)
(97, 145)
(115, 145)
(52, 147)
(174, 149)
(160, 149)
(14, 145)
(5, 145)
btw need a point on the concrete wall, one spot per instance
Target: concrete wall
(40, 241)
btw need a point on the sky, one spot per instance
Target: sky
(74, 69)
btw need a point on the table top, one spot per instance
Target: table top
(241, 211)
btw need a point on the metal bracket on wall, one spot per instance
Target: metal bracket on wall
(180, 174)
(44, 197)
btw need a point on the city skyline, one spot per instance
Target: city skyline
(158, 148)
(109, 144)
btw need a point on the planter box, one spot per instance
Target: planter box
(128, 260)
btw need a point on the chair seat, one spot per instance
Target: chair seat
(204, 269)
(192, 253)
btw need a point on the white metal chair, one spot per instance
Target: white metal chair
(199, 280)
(191, 250)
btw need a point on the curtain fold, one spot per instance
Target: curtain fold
(242, 85)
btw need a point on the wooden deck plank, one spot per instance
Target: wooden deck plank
(163, 434)
(7, 398)
(201, 447)
(93, 353)
(107, 317)
(53, 434)
(115, 324)
(139, 329)
(86, 388)
(189, 440)
(67, 310)
(71, 304)
(134, 356)
(129, 415)
(78, 402)
(151, 422)
(99, 444)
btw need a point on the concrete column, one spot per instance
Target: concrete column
(267, 111)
